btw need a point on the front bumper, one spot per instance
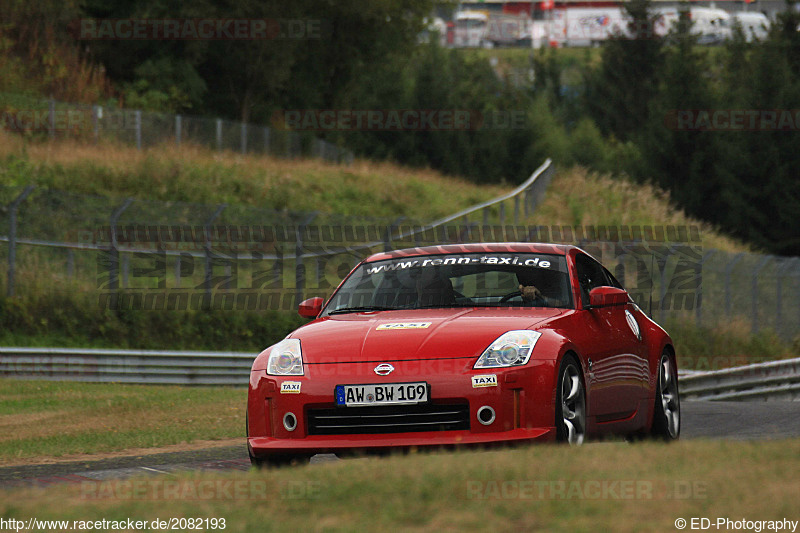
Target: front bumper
(522, 399)
(314, 444)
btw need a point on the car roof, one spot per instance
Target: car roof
(494, 247)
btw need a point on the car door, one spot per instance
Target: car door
(613, 349)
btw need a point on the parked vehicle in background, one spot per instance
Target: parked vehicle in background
(711, 25)
(583, 26)
(755, 25)
(471, 29)
(474, 29)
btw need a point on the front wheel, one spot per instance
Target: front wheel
(667, 408)
(277, 461)
(570, 403)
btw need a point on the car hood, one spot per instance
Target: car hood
(411, 334)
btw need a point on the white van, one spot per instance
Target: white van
(712, 26)
(755, 25)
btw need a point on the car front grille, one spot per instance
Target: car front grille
(388, 419)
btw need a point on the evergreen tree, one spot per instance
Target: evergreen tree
(619, 92)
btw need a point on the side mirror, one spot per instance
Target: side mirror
(310, 308)
(607, 296)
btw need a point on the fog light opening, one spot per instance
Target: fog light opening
(486, 415)
(290, 421)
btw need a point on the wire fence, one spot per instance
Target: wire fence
(138, 254)
(143, 129)
(144, 254)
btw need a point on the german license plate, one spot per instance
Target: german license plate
(382, 394)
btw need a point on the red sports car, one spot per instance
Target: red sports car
(472, 344)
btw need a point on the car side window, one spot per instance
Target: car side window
(591, 274)
(612, 280)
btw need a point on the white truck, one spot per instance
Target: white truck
(582, 26)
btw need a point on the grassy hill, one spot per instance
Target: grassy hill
(53, 310)
(364, 189)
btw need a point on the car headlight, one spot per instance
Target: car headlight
(512, 348)
(285, 359)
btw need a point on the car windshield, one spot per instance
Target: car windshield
(504, 279)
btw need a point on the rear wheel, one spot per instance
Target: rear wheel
(570, 403)
(667, 408)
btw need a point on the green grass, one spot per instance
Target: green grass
(726, 345)
(51, 419)
(599, 487)
(364, 189)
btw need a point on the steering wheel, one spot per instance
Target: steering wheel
(509, 296)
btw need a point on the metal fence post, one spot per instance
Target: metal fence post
(779, 292)
(178, 128)
(266, 140)
(465, 232)
(125, 263)
(219, 134)
(113, 265)
(728, 270)
(387, 238)
(70, 263)
(51, 118)
(207, 246)
(138, 115)
(526, 202)
(502, 213)
(754, 281)
(12, 237)
(662, 289)
(299, 268)
(699, 273)
(243, 139)
(97, 113)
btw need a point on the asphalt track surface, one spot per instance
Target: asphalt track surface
(700, 419)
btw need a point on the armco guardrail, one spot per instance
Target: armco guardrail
(774, 380)
(127, 366)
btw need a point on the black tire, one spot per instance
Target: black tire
(570, 411)
(278, 460)
(667, 408)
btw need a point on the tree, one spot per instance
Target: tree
(618, 93)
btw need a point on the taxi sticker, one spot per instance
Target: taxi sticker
(404, 325)
(290, 387)
(489, 380)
